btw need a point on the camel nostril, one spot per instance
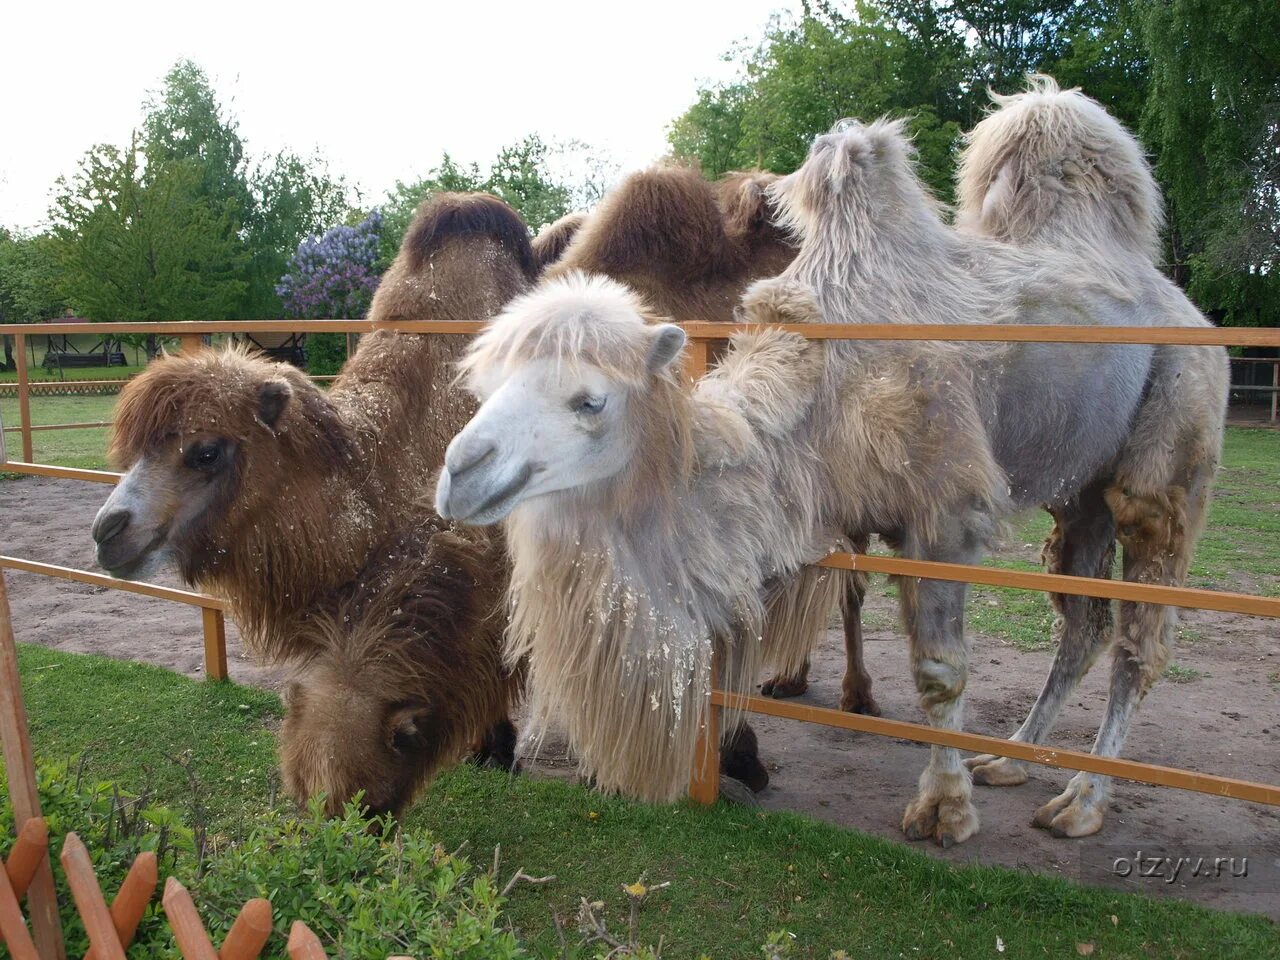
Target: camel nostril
(110, 525)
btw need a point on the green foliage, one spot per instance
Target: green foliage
(364, 893)
(116, 826)
(326, 353)
(520, 175)
(179, 225)
(137, 239)
(925, 60)
(28, 283)
(1213, 120)
(293, 198)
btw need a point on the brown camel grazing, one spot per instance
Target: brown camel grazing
(691, 247)
(294, 504)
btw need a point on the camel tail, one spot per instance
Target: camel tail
(446, 216)
(1053, 166)
(798, 615)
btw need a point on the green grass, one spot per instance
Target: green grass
(1239, 550)
(1177, 673)
(85, 448)
(735, 874)
(40, 374)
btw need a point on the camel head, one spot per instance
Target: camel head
(569, 378)
(202, 439)
(405, 674)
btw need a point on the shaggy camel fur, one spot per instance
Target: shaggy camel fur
(553, 239)
(645, 542)
(1052, 167)
(294, 505)
(929, 445)
(691, 248)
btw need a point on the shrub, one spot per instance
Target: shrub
(365, 892)
(116, 826)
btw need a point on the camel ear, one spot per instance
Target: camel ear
(405, 726)
(668, 341)
(273, 397)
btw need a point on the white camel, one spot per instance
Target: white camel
(645, 520)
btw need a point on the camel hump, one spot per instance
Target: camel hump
(667, 218)
(554, 239)
(1052, 165)
(444, 217)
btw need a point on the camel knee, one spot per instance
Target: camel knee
(1154, 529)
(939, 681)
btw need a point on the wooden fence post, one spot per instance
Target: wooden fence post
(24, 397)
(1275, 394)
(704, 779)
(42, 903)
(191, 341)
(215, 644)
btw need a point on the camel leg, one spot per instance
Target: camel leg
(740, 758)
(855, 691)
(780, 687)
(934, 614)
(1157, 532)
(1081, 544)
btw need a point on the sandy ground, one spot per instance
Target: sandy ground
(1225, 722)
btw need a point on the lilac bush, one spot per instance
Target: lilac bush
(333, 276)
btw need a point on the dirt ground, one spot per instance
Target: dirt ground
(1226, 721)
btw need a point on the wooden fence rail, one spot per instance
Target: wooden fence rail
(705, 777)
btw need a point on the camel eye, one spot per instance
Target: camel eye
(205, 456)
(585, 403)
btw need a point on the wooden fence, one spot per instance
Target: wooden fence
(27, 870)
(704, 781)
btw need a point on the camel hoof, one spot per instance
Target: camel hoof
(865, 705)
(991, 771)
(780, 688)
(736, 792)
(948, 821)
(1078, 811)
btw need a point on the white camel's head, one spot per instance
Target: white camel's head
(560, 375)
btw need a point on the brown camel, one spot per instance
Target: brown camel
(296, 506)
(304, 509)
(691, 247)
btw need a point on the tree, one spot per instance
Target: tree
(269, 208)
(927, 60)
(292, 198)
(520, 175)
(1214, 118)
(184, 121)
(138, 239)
(332, 276)
(28, 283)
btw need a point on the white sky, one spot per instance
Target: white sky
(380, 88)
